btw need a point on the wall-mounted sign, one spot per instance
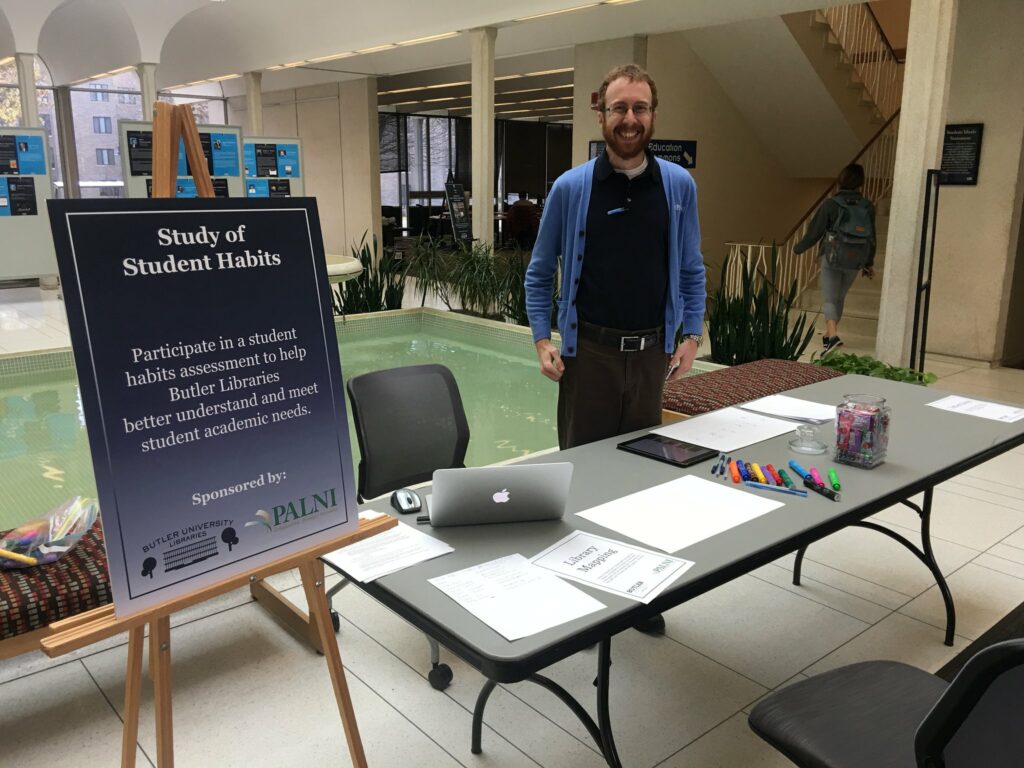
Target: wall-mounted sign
(268, 187)
(222, 149)
(186, 187)
(22, 155)
(961, 154)
(680, 152)
(262, 159)
(462, 226)
(18, 197)
(213, 400)
(27, 247)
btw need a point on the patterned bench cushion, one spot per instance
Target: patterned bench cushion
(32, 598)
(728, 386)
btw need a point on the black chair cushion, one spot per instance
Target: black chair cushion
(860, 716)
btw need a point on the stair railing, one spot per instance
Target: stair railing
(878, 157)
(866, 49)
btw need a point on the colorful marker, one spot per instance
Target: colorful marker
(816, 476)
(758, 473)
(749, 474)
(797, 468)
(833, 478)
(786, 479)
(734, 471)
(775, 475)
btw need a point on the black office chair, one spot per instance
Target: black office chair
(884, 714)
(409, 422)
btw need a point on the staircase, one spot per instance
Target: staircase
(872, 73)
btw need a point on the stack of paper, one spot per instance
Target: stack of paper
(387, 552)
(726, 430)
(981, 408)
(515, 598)
(792, 408)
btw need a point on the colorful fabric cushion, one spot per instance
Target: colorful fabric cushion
(729, 386)
(32, 598)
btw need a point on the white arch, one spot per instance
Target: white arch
(86, 37)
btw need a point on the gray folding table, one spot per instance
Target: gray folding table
(926, 447)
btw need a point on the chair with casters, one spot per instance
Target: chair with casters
(885, 714)
(409, 422)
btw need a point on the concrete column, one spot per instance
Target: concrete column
(482, 111)
(66, 140)
(360, 159)
(253, 103)
(922, 120)
(26, 64)
(591, 62)
(147, 81)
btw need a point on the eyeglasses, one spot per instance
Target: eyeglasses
(640, 109)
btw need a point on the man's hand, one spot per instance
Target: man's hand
(682, 360)
(868, 272)
(551, 364)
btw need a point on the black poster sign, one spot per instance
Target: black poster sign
(462, 227)
(208, 363)
(961, 153)
(679, 151)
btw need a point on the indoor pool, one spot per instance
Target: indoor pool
(44, 456)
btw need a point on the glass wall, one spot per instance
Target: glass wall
(96, 107)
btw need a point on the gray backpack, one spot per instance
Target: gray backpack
(848, 243)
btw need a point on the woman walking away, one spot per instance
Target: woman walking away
(846, 221)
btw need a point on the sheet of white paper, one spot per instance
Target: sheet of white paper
(788, 407)
(981, 408)
(387, 552)
(515, 598)
(726, 430)
(614, 566)
(679, 513)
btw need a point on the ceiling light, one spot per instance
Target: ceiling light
(558, 12)
(223, 77)
(7, 60)
(549, 72)
(428, 39)
(332, 57)
(423, 88)
(376, 48)
(537, 90)
(294, 64)
(507, 77)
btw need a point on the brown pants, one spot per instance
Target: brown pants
(605, 392)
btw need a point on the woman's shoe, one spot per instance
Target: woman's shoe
(831, 343)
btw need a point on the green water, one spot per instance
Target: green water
(44, 453)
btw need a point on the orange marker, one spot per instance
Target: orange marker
(734, 471)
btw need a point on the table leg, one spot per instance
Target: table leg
(604, 667)
(798, 564)
(478, 715)
(925, 511)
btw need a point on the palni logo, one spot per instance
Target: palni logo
(289, 511)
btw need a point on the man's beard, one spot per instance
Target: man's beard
(627, 150)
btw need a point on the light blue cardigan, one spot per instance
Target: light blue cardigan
(563, 235)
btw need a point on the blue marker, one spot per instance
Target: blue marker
(777, 489)
(744, 472)
(798, 469)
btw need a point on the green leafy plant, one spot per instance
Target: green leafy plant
(475, 279)
(431, 265)
(511, 285)
(756, 322)
(380, 286)
(866, 365)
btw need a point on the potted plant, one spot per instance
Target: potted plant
(380, 286)
(756, 321)
(866, 365)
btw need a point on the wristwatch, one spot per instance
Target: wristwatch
(695, 336)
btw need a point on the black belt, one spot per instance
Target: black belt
(624, 341)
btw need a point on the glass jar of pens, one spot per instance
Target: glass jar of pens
(862, 430)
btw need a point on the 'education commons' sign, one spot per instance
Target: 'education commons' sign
(210, 379)
(680, 152)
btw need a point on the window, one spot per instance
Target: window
(128, 98)
(101, 125)
(99, 92)
(104, 157)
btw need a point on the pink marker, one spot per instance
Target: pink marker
(816, 476)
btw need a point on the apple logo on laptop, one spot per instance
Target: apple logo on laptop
(501, 496)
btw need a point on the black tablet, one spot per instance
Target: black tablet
(668, 450)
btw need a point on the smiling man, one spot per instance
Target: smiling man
(624, 230)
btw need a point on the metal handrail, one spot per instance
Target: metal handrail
(867, 50)
(878, 157)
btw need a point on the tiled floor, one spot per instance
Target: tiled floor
(247, 694)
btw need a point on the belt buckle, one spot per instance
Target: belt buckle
(632, 343)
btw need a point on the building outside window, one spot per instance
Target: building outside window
(99, 92)
(128, 98)
(104, 157)
(103, 178)
(101, 125)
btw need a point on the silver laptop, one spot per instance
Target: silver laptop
(506, 494)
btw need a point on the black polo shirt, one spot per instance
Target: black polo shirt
(625, 268)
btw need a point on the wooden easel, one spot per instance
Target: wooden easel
(170, 124)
